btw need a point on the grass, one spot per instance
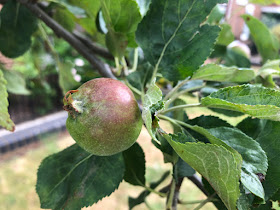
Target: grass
(18, 177)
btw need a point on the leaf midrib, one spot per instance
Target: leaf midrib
(173, 36)
(67, 175)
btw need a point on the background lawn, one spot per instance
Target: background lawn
(18, 176)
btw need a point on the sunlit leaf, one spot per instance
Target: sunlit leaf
(214, 72)
(267, 44)
(152, 97)
(66, 78)
(15, 83)
(214, 163)
(257, 101)
(5, 119)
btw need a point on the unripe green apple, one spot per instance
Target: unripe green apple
(104, 117)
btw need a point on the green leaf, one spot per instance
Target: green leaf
(206, 122)
(182, 169)
(215, 140)
(173, 38)
(141, 76)
(269, 68)
(251, 127)
(122, 18)
(15, 83)
(252, 183)
(134, 159)
(226, 36)
(5, 120)
(68, 4)
(74, 178)
(266, 42)
(17, 26)
(266, 134)
(152, 97)
(216, 15)
(243, 202)
(266, 72)
(236, 57)
(276, 196)
(206, 91)
(91, 8)
(132, 202)
(270, 143)
(254, 158)
(66, 78)
(216, 164)
(216, 199)
(220, 73)
(64, 18)
(257, 101)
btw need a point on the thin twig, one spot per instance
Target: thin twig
(165, 189)
(176, 194)
(96, 49)
(103, 69)
(171, 195)
(197, 181)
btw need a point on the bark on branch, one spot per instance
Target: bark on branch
(81, 47)
(197, 181)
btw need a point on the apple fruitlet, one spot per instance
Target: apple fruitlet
(103, 116)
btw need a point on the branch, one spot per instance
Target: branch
(103, 69)
(176, 194)
(94, 47)
(197, 181)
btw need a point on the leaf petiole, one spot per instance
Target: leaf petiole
(175, 89)
(148, 188)
(118, 66)
(194, 202)
(135, 60)
(209, 199)
(178, 94)
(179, 107)
(135, 90)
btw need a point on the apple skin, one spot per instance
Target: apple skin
(103, 116)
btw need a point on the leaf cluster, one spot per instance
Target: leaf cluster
(158, 48)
